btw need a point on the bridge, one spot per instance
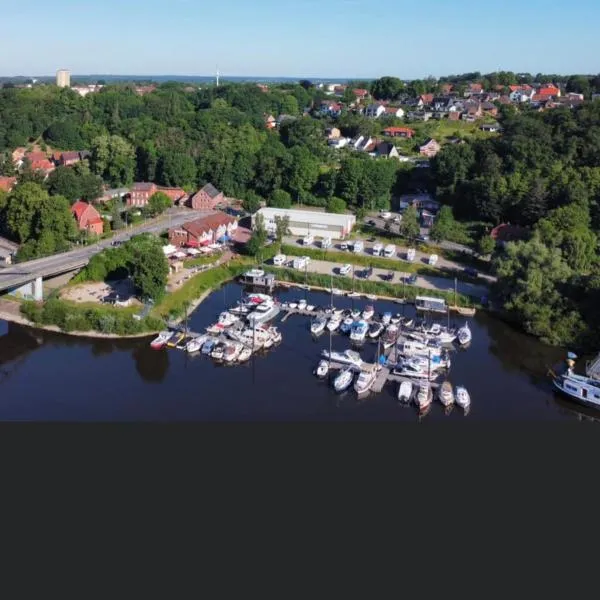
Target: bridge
(26, 278)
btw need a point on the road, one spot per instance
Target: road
(59, 263)
(442, 284)
(400, 256)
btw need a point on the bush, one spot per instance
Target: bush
(336, 205)
(280, 199)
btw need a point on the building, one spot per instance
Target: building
(7, 183)
(208, 198)
(303, 222)
(374, 111)
(113, 194)
(429, 148)
(44, 165)
(404, 132)
(204, 231)
(63, 78)
(505, 232)
(88, 218)
(8, 251)
(67, 159)
(141, 192)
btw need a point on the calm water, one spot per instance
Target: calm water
(47, 376)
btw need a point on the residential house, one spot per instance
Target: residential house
(7, 183)
(36, 156)
(394, 111)
(520, 95)
(329, 108)
(142, 191)
(425, 100)
(44, 165)
(427, 218)
(357, 141)
(141, 90)
(505, 232)
(69, 158)
(262, 87)
(339, 142)
(574, 96)
(338, 90)
(549, 90)
(270, 122)
(446, 88)
(361, 94)
(420, 115)
(367, 145)
(113, 194)
(489, 109)
(473, 111)
(18, 155)
(386, 150)
(430, 148)
(473, 88)
(442, 104)
(206, 230)
(490, 127)
(567, 102)
(374, 111)
(504, 100)
(207, 198)
(404, 132)
(87, 217)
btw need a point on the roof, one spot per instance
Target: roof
(71, 155)
(427, 98)
(36, 156)
(207, 223)
(392, 110)
(41, 165)
(475, 86)
(7, 183)
(211, 190)
(361, 92)
(308, 216)
(428, 142)
(505, 232)
(406, 130)
(142, 186)
(80, 207)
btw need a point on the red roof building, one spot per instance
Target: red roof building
(142, 191)
(87, 217)
(35, 156)
(7, 183)
(404, 132)
(208, 198)
(475, 88)
(505, 232)
(549, 90)
(203, 231)
(426, 99)
(360, 93)
(430, 148)
(42, 165)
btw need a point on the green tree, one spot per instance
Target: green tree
(113, 159)
(64, 181)
(157, 204)
(116, 219)
(148, 266)
(280, 199)
(177, 169)
(64, 135)
(409, 226)
(22, 207)
(282, 227)
(257, 242)
(336, 205)
(387, 88)
(302, 171)
(486, 245)
(444, 226)
(7, 167)
(252, 202)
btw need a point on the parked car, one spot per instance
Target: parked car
(345, 269)
(412, 279)
(423, 238)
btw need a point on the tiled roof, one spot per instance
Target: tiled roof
(207, 223)
(142, 186)
(7, 183)
(211, 190)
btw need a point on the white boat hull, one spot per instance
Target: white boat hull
(343, 381)
(574, 389)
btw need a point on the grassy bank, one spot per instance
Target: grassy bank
(365, 287)
(374, 261)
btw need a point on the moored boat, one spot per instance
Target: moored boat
(346, 325)
(344, 380)
(389, 337)
(347, 357)
(245, 354)
(358, 331)
(464, 335)
(322, 369)
(218, 351)
(161, 339)
(386, 318)
(208, 346)
(368, 312)
(232, 351)
(195, 344)
(364, 382)
(405, 391)
(462, 397)
(424, 396)
(375, 330)
(318, 325)
(334, 322)
(445, 393)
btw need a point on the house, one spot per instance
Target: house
(404, 132)
(504, 100)
(574, 96)
(549, 89)
(474, 88)
(394, 111)
(206, 230)
(442, 103)
(18, 155)
(88, 218)
(505, 232)
(386, 150)
(36, 156)
(207, 198)
(420, 115)
(338, 90)
(361, 94)
(427, 218)
(374, 111)
(473, 111)
(489, 109)
(7, 183)
(69, 158)
(281, 119)
(357, 141)
(329, 108)
(339, 142)
(367, 144)
(262, 87)
(8, 250)
(490, 127)
(141, 90)
(425, 100)
(430, 148)
(446, 88)
(43, 165)
(270, 122)
(112, 194)
(142, 191)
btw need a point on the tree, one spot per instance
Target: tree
(282, 227)
(259, 237)
(113, 158)
(486, 245)
(64, 181)
(409, 226)
(157, 204)
(252, 202)
(7, 167)
(387, 88)
(280, 199)
(302, 171)
(177, 169)
(116, 219)
(444, 225)
(148, 266)
(64, 135)
(22, 207)
(336, 205)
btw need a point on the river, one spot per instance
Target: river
(46, 376)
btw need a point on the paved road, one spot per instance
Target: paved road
(426, 282)
(400, 256)
(57, 263)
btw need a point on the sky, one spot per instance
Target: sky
(299, 38)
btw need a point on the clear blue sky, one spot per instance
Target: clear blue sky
(299, 38)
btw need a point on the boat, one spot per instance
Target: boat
(254, 274)
(359, 331)
(322, 369)
(445, 393)
(334, 322)
(275, 335)
(310, 307)
(344, 380)
(161, 339)
(432, 332)
(268, 341)
(389, 337)
(396, 319)
(370, 296)
(227, 319)
(386, 319)
(355, 314)
(416, 367)
(208, 346)
(245, 354)
(215, 329)
(176, 338)
(240, 309)
(336, 292)
(263, 312)
(338, 312)
(462, 397)
(375, 330)
(347, 357)
(424, 396)
(353, 295)
(463, 335)
(218, 351)
(318, 325)
(346, 325)
(293, 305)
(417, 348)
(405, 390)
(259, 298)
(368, 312)
(584, 389)
(232, 351)
(302, 304)
(195, 344)
(365, 381)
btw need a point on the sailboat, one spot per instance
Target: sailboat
(424, 395)
(343, 380)
(462, 397)
(464, 335)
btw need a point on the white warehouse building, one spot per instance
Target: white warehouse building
(305, 222)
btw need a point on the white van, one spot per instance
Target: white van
(389, 251)
(358, 246)
(299, 263)
(308, 240)
(433, 259)
(279, 260)
(410, 254)
(377, 249)
(326, 243)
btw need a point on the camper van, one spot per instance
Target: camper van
(358, 246)
(389, 251)
(300, 263)
(433, 259)
(410, 254)
(279, 260)
(377, 249)
(326, 243)
(308, 240)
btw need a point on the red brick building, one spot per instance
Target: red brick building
(404, 132)
(141, 192)
(203, 231)
(69, 158)
(208, 198)
(87, 217)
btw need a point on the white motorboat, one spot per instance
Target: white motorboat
(338, 312)
(386, 319)
(245, 354)
(215, 329)
(259, 298)
(584, 389)
(445, 393)
(424, 396)
(396, 319)
(405, 390)
(208, 346)
(462, 397)
(365, 381)
(464, 335)
(355, 314)
(358, 332)
(334, 322)
(370, 296)
(310, 307)
(389, 337)
(268, 342)
(435, 331)
(318, 325)
(232, 351)
(416, 348)
(346, 325)
(322, 369)
(336, 292)
(347, 357)
(227, 319)
(217, 352)
(416, 367)
(161, 339)
(240, 309)
(353, 295)
(264, 312)
(375, 330)
(275, 335)
(254, 274)
(368, 312)
(195, 344)
(293, 305)
(344, 380)
(302, 304)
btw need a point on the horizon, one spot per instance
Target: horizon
(322, 38)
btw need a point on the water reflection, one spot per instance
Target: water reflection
(151, 365)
